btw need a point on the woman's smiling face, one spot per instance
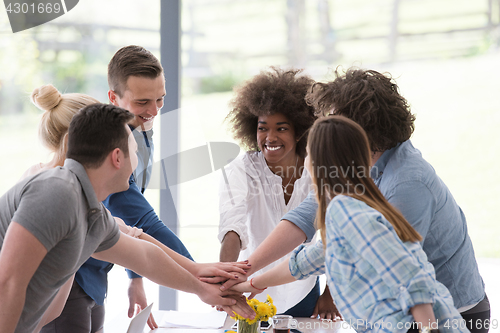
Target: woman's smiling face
(276, 139)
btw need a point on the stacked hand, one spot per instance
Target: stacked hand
(247, 287)
(222, 271)
(222, 297)
(233, 277)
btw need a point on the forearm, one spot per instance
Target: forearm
(199, 269)
(150, 261)
(163, 270)
(281, 241)
(274, 277)
(230, 247)
(424, 315)
(178, 258)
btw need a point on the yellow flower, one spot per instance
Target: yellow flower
(263, 310)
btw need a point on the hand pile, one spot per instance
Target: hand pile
(228, 274)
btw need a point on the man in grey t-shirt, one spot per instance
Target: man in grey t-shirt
(52, 222)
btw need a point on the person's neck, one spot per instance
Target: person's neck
(56, 161)
(288, 168)
(375, 156)
(99, 182)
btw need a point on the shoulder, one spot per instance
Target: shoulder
(251, 163)
(407, 164)
(58, 181)
(344, 207)
(33, 170)
(252, 158)
(347, 203)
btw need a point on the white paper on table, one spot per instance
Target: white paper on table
(214, 319)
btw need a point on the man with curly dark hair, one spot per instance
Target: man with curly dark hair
(269, 117)
(372, 100)
(408, 182)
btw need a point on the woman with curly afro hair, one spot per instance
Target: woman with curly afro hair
(270, 118)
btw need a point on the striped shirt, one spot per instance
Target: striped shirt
(373, 276)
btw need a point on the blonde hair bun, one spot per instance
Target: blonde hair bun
(46, 97)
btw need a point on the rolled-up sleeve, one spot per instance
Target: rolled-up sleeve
(378, 244)
(233, 208)
(307, 260)
(304, 216)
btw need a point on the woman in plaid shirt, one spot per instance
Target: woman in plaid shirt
(377, 272)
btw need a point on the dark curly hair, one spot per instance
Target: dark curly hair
(369, 98)
(270, 92)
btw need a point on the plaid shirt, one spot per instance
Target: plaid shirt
(373, 276)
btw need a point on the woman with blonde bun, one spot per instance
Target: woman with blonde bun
(58, 109)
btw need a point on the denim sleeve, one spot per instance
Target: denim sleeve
(133, 208)
(416, 202)
(304, 216)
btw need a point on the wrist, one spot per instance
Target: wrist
(251, 269)
(136, 281)
(254, 287)
(192, 267)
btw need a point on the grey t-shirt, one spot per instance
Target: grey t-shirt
(60, 208)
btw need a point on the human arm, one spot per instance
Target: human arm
(276, 276)
(275, 246)
(135, 211)
(230, 247)
(304, 262)
(150, 261)
(132, 207)
(128, 230)
(296, 227)
(233, 209)
(280, 242)
(325, 307)
(20, 256)
(284, 238)
(201, 269)
(138, 301)
(423, 315)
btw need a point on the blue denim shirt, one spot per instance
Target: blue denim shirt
(411, 185)
(133, 208)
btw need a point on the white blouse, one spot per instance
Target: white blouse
(252, 203)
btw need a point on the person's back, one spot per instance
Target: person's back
(411, 184)
(362, 244)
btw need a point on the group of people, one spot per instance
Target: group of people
(334, 157)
